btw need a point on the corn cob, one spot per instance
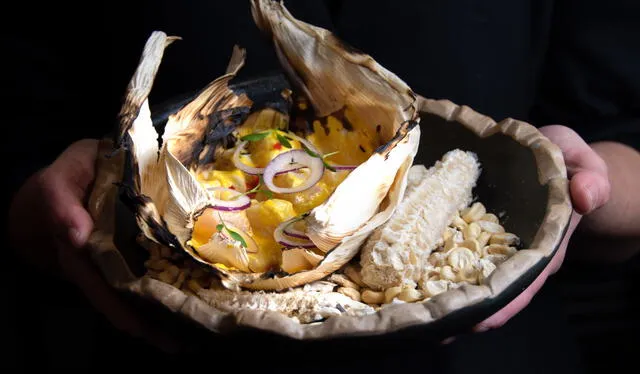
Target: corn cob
(397, 252)
(304, 304)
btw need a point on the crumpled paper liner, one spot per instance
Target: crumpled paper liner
(551, 172)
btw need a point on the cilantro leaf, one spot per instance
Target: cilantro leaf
(256, 136)
(283, 140)
(233, 234)
(310, 152)
(268, 193)
(237, 237)
(328, 166)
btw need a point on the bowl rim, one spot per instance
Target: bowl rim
(452, 312)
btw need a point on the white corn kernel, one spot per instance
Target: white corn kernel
(472, 231)
(461, 258)
(499, 249)
(435, 272)
(391, 293)
(448, 234)
(410, 295)
(484, 238)
(437, 259)
(491, 227)
(447, 273)
(435, 287)
(459, 223)
(472, 244)
(372, 297)
(449, 244)
(506, 238)
(473, 213)
(496, 259)
(490, 217)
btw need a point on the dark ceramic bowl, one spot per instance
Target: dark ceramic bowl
(523, 175)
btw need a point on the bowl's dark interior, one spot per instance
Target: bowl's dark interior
(508, 185)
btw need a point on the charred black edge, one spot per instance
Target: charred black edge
(402, 132)
(219, 130)
(272, 274)
(136, 204)
(124, 120)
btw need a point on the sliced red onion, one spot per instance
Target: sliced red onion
(239, 201)
(344, 167)
(242, 166)
(295, 233)
(290, 170)
(287, 161)
(290, 242)
(291, 231)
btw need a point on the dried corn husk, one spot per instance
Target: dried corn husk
(168, 198)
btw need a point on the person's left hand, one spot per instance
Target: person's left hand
(589, 187)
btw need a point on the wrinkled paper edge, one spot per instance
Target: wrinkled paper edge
(552, 173)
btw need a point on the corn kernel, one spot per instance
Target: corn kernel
(484, 238)
(391, 293)
(410, 295)
(506, 238)
(491, 227)
(372, 297)
(472, 231)
(473, 213)
(490, 217)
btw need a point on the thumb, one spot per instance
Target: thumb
(589, 185)
(66, 183)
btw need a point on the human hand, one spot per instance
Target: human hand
(50, 226)
(589, 188)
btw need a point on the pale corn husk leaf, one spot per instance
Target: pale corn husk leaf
(217, 108)
(145, 190)
(338, 79)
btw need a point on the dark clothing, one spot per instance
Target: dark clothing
(572, 62)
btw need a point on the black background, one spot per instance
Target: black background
(65, 67)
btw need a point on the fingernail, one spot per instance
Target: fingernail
(591, 192)
(481, 328)
(76, 237)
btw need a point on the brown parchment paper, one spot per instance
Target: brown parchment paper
(551, 172)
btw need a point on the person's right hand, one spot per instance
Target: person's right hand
(49, 227)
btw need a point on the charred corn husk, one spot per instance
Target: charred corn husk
(304, 304)
(397, 252)
(196, 190)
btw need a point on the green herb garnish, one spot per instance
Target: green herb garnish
(283, 140)
(313, 154)
(256, 136)
(256, 189)
(233, 234)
